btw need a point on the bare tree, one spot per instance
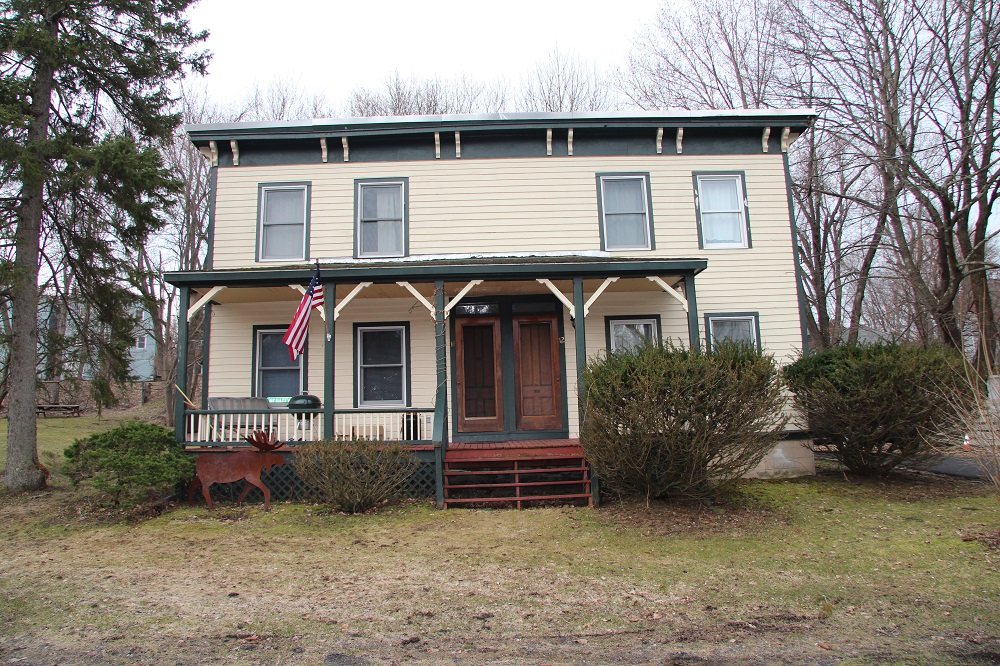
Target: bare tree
(708, 54)
(565, 83)
(408, 97)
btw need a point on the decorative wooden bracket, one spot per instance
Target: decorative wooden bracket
(437, 145)
(201, 301)
(659, 140)
(548, 142)
(213, 148)
(458, 145)
(593, 297)
(784, 139)
(460, 295)
(558, 294)
(670, 290)
(343, 141)
(764, 139)
(322, 147)
(235, 147)
(417, 295)
(569, 141)
(347, 299)
(680, 140)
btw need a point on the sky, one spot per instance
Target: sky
(334, 47)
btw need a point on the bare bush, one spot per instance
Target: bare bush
(354, 476)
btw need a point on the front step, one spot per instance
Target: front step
(474, 475)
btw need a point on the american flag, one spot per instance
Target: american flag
(295, 336)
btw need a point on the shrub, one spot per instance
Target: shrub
(354, 476)
(134, 463)
(665, 421)
(876, 406)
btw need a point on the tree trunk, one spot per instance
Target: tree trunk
(23, 471)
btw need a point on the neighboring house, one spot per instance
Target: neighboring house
(473, 263)
(53, 321)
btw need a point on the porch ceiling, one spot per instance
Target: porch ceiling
(488, 288)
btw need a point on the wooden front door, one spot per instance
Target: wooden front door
(537, 373)
(479, 380)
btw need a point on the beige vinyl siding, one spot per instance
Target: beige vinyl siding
(503, 205)
(230, 360)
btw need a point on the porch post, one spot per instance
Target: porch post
(205, 339)
(182, 361)
(329, 349)
(693, 336)
(580, 338)
(441, 395)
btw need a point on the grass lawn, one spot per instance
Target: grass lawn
(817, 570)
(55, 433)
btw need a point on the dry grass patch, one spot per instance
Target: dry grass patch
(870, 570)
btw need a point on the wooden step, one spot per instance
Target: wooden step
(527, 484)
(537, 498)
(508, 472)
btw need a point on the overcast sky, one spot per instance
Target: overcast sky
(334, 47)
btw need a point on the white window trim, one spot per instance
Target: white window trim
(754, 324)
(258, 366)
(741, 198)
(260, 222)
(645, 206)
(359, 375)
(635, 320)
(142, 339)
(402, 222)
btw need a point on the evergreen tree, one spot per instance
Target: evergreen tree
(84, 100)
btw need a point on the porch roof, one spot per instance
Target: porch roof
(491, 268)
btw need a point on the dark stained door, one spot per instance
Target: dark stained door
(537, 373)
(478, 380)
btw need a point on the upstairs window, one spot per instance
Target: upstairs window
(381, 218)
(733, 327)
(140, 341)
(284, 214)
(722, 211)
(625, 211)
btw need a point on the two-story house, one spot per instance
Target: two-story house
(472, 264)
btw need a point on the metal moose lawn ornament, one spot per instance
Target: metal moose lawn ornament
(228, 467)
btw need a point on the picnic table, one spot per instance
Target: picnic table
(63, 410)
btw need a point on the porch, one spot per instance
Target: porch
(451, 357)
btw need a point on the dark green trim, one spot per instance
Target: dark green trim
(711, 315)
(329, 359)
(493, 269)
(746, 207)
(303, 365)
(307, 185)
(800, 284)
(609, 320)
(650, 224)
(183, 303)
(694, 339)
(506, 317)
(205, 346)
(213, 189)
(358, 182)
(580, 336)
(441, 391)
(407, 401)
(753, 121)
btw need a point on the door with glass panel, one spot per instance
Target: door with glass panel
(479, 376)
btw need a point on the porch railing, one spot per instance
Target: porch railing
(405, 425)
(228, 427)
(225, 427)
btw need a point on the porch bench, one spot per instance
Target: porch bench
(65, 410)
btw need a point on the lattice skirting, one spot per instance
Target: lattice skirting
(285, 484)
